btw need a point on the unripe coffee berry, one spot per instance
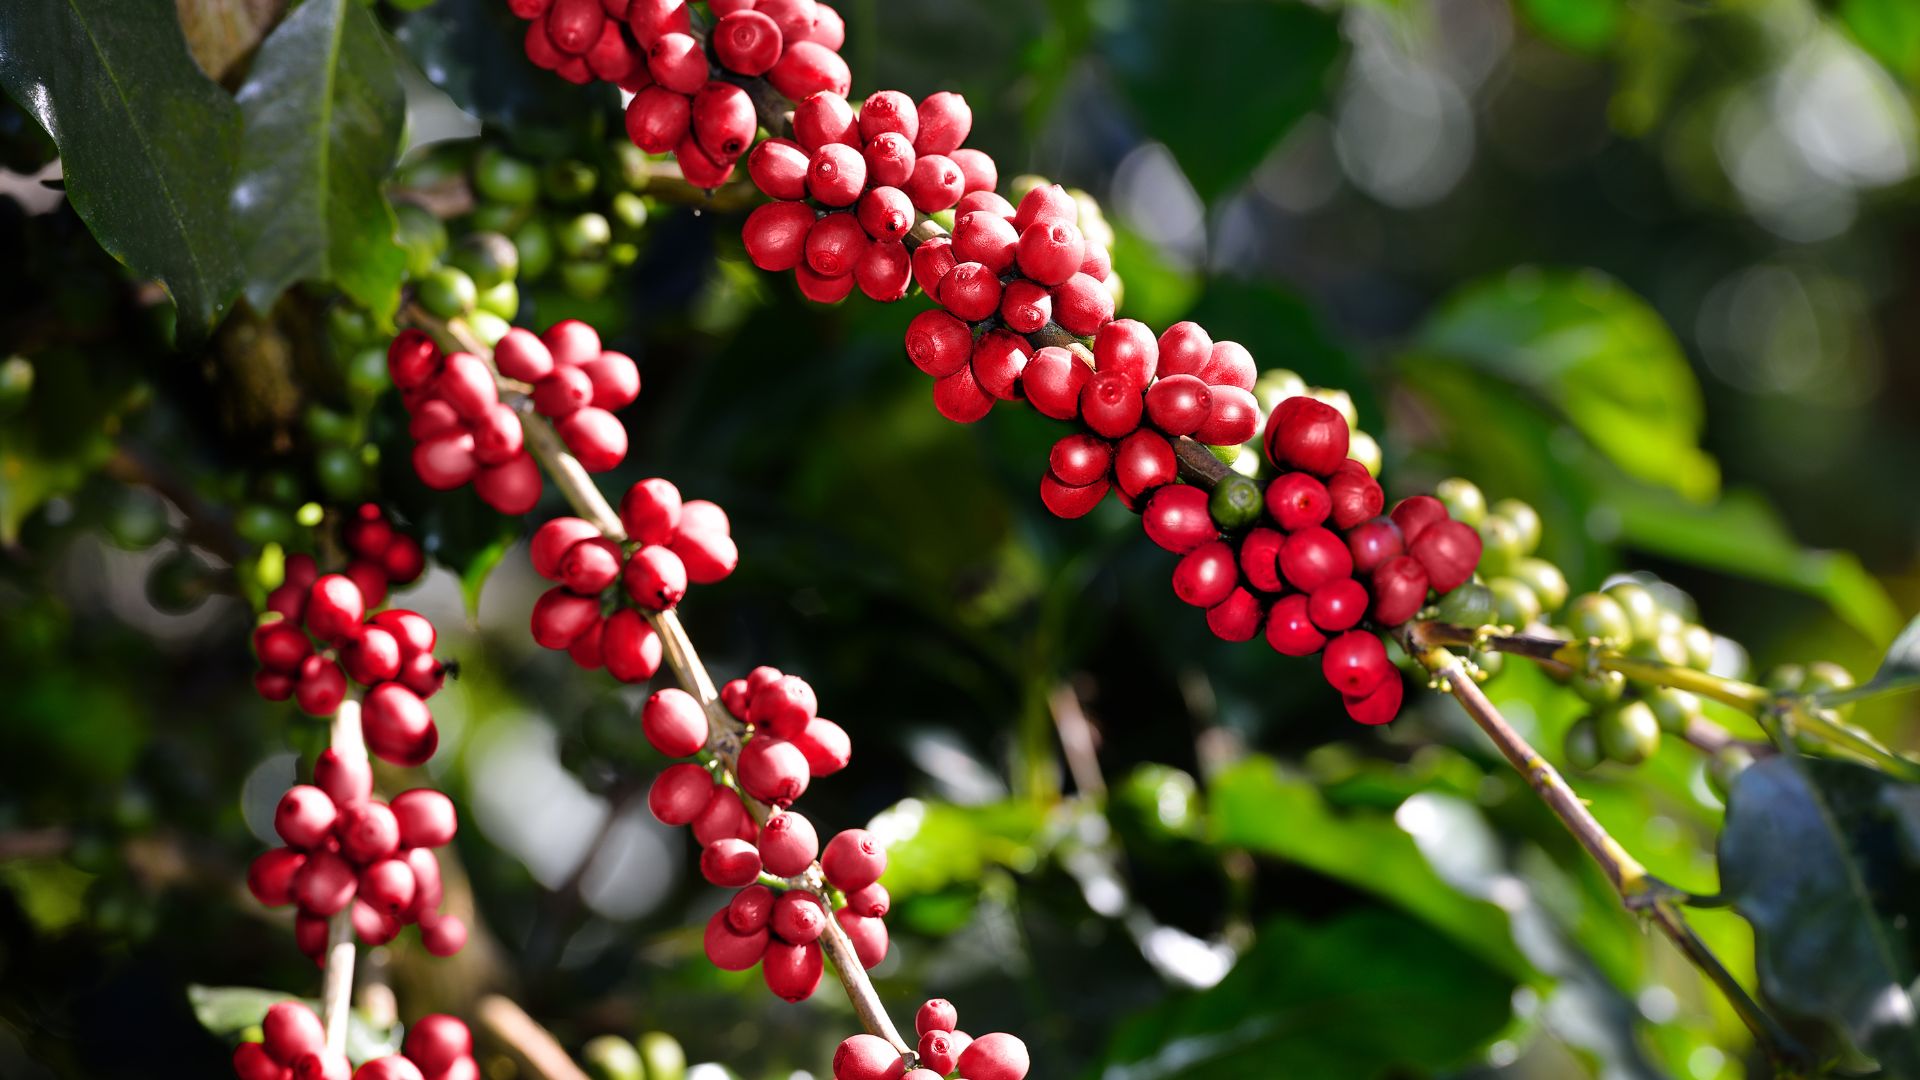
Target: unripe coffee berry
(1236, 502)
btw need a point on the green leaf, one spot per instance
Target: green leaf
(1820, 856)
(228, 1011)
(473, 50)
(1899, 670)
(932, 845)
(473, 576)
(1890, 30)
(1586, 25)
(1596, 353)
(324, 113)
(1742, 534)
(147, 143)
(1184, 66)
(1332, 1000)
(1256, 806)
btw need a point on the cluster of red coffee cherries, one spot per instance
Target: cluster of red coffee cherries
(437, 1047)
(464, 433)
(786, 744)
(344, 847)
(847, 187)
(687, 97)
(328, 637)
(942, 1050)
(670, 544)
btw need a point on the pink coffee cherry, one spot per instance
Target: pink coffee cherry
(305, 817)
(997, 1056)
(853, 859)
(674, 723)
(792, 971)
(426, 818)
(750, 909)
(680, 794)
(773, 770)
(788, 844)
(730, 862)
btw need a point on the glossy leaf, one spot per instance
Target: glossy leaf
(324, 112)
(1327, 1000)
(932, 845)
(1183, 67)
(1832, 919)
(1595, 352)
(1256, 806)
(1889, 29)
(147, 142)
(1586, 25)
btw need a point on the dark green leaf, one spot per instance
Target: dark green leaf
(1330, 1000)
(324, 113)
(147, 142)
(1821, 857)
(1184, 66)
(473, 50)
(1595, 352)
(1256, 806)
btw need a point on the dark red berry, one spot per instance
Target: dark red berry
(560, 616)
(959, 398)
(1078, 460)
(1415, 514)
(1355, 662)
(1297, 501)
(1178, 404)
(746, 42)
(1307, 434)
(1054, 380)
(1449, 551)
(673, 723)
(1356, 495)
(658, 118)
(1372, 543)
(1237, 618)
(1232, 417)
(1112, 404)
(1184, 349)
(1312, 557)
(1399, 590)
(1126, 347)
(1260, 559)
(1144, 461)
(1380, 705)
(1066, 501)
(1176, 518)
(998, 359)
(1207, 575)
(1290, 629)
(853, 859)
(1337, 605)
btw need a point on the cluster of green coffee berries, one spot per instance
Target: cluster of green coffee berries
(655, 1055)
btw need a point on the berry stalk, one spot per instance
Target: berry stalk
(336, 994)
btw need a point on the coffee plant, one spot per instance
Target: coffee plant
(411, 343)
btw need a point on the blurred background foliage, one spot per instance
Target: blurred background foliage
(1647, 264)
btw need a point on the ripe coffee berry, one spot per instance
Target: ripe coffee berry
(1298, 501)
(731, 951)
(1143, 462)
(1207, 575)
(1399, 590)
(730, 862)
(1078, 460)
(1355, 662)
(936, 1014)
(788, 844)
(1178, 404)
(1237, 618)
(1176, 518)
(1290, 628)
(1380, 705)
(853, 860)
(680, 794)
(869, 936)
(1414, 514)
(773, 770)
(866, 1057)
(1312, 557)
(1053, 380)
(1112, 404)
(995, 1056)
(655, 578)
(791, 971)
(1449, 551)
(1373, 543)
(1307, 434)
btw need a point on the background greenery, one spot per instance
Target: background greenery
(1647, 265)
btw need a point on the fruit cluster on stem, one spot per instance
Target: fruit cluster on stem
(293, 1047)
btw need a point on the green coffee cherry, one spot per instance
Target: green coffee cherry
(367, 373)
(585, 236)
(501, 178)
(1698, 641)
(1276, 386)
(1629, 733)
(488, 327)
(136, 518)
(611, 1057)
(258, 523)
(1236, 502)
(1463, 500)
(570, 181)
(1597, 615)
(1227, 454)
(1469, 605)
(1487, 665)
(1546, 581)
(1023, 185)
(636, 172)
(448, 293)
(326, 426)
(1526, 521)
(1362, 448)
(340, 473)
(1500, 545)
(629, 213)
(535, 243)
(421, 236)
(1666, 648)
(943, 218)
(349, 325)
(502, 301)
(1514, 604)
(1600, 688)
(585, 280)
(1581, 746)
(665, 1060)
(16, 384)
(279, 486)
(1724, 769)
(489, 258)
(1675, 709)
(1824, 675)
(622, 255)
(499, 217)
(1341, 401)
(1643, 611)
(1785, 679)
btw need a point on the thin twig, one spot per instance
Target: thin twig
(1077, 741)
(532, 1047)
(336, 995)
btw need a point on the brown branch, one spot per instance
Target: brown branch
(532, 1047)
(1077, 740)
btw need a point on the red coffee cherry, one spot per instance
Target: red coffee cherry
(652, 18)
(932, 261)
(1232, 417)
(724, 816)
(853, 859)
(466, 384)
(1229, 364)
(251, 1062)
(1355, 662)
(291, 1031)
(563, 393)
(1176, 518)
(305, 817)
(680, 793)
(889, 110)
(825, 745)
(1237, 618)
(320, 687)
(783, 706)
(798, 917)
(939, 1053)
(426, 818)
(938, 343)
(1298, 501)
(996, 1056)
(273, 685)
(615, 378)
(1355, 494)
(730, 862)
(773, 770)
(750, 909)
(1399, 590)
(1054, 380)
(1025, 307)
(823, 119)
(595, 436)
(885, 213)
(776, 235)
(1307, 434)
(936, 1014)
(1206, 575)
(585, 651)
(959, 398)
(650, 511)
(326, 884)
(428, 889)
(731, 951)
(1312, 557)
(867, 1057)
(971, 291)
(281, 646)
(412, 359)
(1372, 543)
(387, 886)
(398, 726)
(708, 556)
(788, 844)
(1126, 347)
(629, 647)
(1260, 559)
(1078, 460)
(1379, 706)
(443, 935)
(560, 616)
(746, 42)
(1050, 252)
(1178, 404)
(497, 435)
(1290, 629)
(779, 168)
(1185, 349)
(674, 723)
(945, 121)
(677, 63)
(890, 161)
(1111, 404)
(423, 674)
(977, 169)
(883, 271)
(836, 174)
(436, 1041)
(1416, 514)
(792, 972)
(309, 934)
(655, 578)
(371, 654)
(393, 1066)
(334, 607)
(1144, 461)
(1081, 305)
(1449, 551)
(869, 936)
(983, 201)
(553, 540)
(370, 579)
(985, 238)
(270, 875)
(523, 356)
(873, 901)
(936, 182)
(368, 833)
(1047, 203)
(1065, 501)
(658, 119)
(1337, 605)
(807, 67)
